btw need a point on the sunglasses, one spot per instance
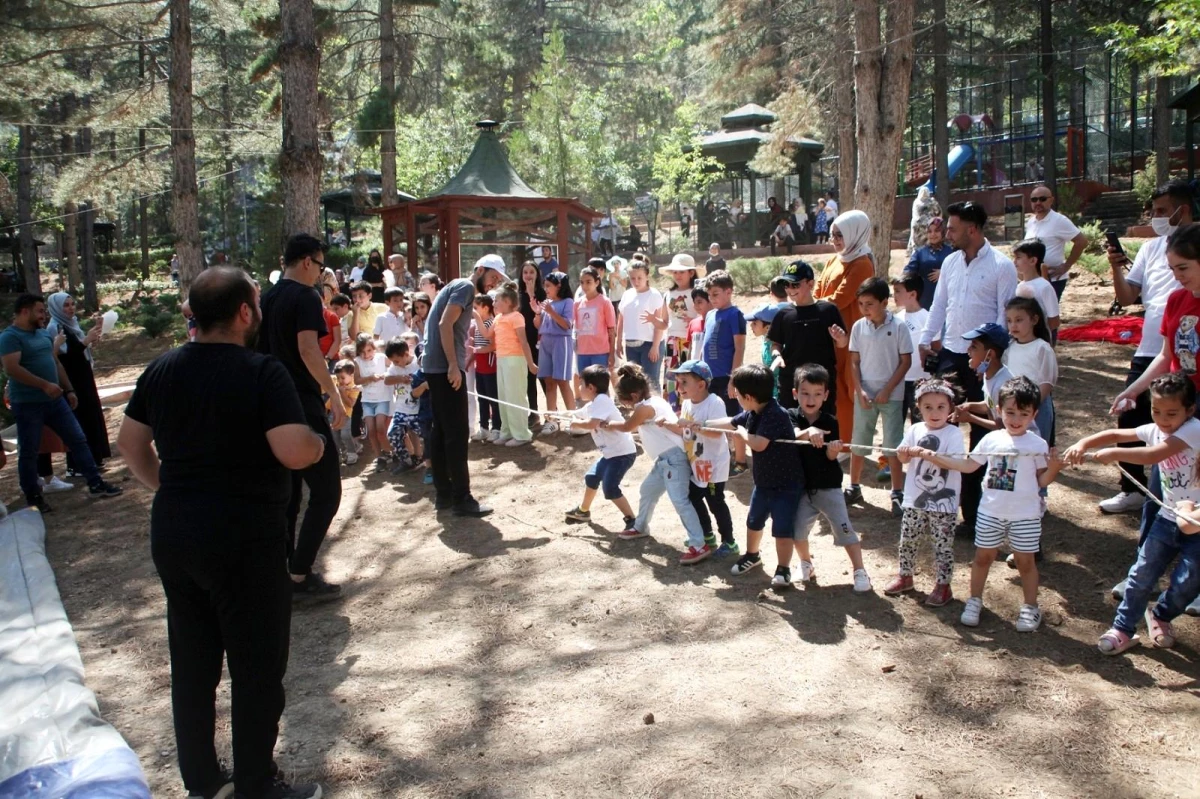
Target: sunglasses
(1039, 199)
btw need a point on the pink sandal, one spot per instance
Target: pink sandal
(1162, 635)
(1114, 642)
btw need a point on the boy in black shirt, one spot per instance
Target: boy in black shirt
(822, 474)
(807, 332)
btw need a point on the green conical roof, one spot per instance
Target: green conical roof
(487, 172)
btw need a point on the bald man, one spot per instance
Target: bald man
(1055, 231)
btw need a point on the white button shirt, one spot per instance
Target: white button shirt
(969, 295)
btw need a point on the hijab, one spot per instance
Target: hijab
(855, 228)
(60, 321)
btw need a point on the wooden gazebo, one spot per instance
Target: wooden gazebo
(487, 208)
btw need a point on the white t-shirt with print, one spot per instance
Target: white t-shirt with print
(611, 443)
(633, 305)
(1010, 485)
(1178, 472)
(680, 311)
(928, 486)
(915, 322)
(376, 391)
(709, 457)
(403, 402)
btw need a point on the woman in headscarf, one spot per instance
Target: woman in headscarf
(75, 355)
(850, 233)
(925, 209)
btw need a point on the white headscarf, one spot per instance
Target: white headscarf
(855, 228)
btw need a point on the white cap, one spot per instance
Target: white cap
(492, 261)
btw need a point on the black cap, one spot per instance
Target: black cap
(797, 272)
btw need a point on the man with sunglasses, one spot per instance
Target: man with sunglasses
(1055, 231)
(293, 322)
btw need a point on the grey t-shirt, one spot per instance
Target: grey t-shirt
(460, 292)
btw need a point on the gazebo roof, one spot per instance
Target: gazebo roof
(751, 115)
(487, 172)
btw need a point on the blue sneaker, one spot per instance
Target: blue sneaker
(727, 549)
(884, 474)
(428, 480)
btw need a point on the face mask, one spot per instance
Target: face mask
(1162, 226)
(984, 365)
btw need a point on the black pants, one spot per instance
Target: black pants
(448, 439)
(957, 366)
(233, 598)
(489, 412)
(714, 496)
(1137, 416)
(324, 481)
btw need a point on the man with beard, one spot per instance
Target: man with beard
(42, 396)
(292, 325)
(213, 428)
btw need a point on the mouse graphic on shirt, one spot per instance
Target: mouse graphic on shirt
(931, 479)
(1187, 344)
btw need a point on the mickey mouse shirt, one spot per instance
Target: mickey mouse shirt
(1010, 484)
(927, 486)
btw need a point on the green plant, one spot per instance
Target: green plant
(158, 313)
(1144, 179)
(1095, 260)
(753, 274)
(1068, 203)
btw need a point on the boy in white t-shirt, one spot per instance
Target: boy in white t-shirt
(1028, 257)
(985, 355)
(1018, 463)
(906, 290)
(404, 432)
(617, 449)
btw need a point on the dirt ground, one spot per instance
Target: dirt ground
(519, 656)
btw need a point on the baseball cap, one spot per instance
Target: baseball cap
(764, 314)
(492, 261)
(797, 272)
(991, 334)
(698, 368)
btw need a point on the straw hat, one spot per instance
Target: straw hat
(682, 262)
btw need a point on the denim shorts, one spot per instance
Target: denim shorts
(584, 361)
(866, 419)
(609, 472)
(377, 408)
(640, 354)
(777, 504)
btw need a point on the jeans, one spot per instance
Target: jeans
(56, 414)
(958, 365)
(1135, 417)
(714, 495)
(608, 473)
(1163, 542)
(640, 354)
(670, 474)
(448, 439)
(324, 481)
(228, 596)
(487, 385)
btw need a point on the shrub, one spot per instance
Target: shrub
(1144, 179)
(753, 274)
(132, 259)
(158, 313)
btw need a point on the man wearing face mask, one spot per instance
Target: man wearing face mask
(1149, 282)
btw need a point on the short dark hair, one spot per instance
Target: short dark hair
(597, 377)
(486, 301)
(394, 291)
(699, 291)
(218, 294)
(778, 288)
(969, 212)
(1178, 190)
(812, 373)
(719, 279)
(1034, 248)
(341, 367)
(562, 282)
(361, 285)
(299, 247)
(395, 346)
(1023, 391)
(911, 282)
(875, 287)
(1175, 384)
(755, 381)
(28, 300)
(339, 299)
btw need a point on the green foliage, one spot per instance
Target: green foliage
(158, 313)
(1167, 41)
(1145, 181)
(131, 260)
(1095, 259)
(753, 274)
(344, 257)
(375, 115)
(680, 172)
(1067, 202)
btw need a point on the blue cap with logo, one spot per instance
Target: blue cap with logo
(764, 313)
(698, 368)
(991, 334)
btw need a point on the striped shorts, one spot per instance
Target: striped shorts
(1024, 535)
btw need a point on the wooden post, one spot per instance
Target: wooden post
(386, 221)
(451, 268)
(410, 233)
(587, 240)
(564, 239)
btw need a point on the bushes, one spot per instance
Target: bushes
(158, 313)
(752, 274)
(160, 259)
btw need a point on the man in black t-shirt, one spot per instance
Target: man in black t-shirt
(809, 331)
(213, 428)
(293, 321)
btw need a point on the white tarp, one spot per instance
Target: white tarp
(53, 742)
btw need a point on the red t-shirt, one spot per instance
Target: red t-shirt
(1179, 330)
(331, 321)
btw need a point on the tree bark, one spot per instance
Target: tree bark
(1162, 129)
(882, 74)
(70, 226)
(300, 162)
(87, 217)
(387, 86)
(842, 91)
(143, 202)
(29, 262)
(941, 116)
(1049, 109)
(185, 207)
(228, 210)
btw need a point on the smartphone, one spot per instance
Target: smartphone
(1114, 242)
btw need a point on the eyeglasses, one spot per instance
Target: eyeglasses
(835, 235)
(1045, 199)
(315, 261)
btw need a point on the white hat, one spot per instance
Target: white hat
(617, 264)
(682, 262)
(492, 261)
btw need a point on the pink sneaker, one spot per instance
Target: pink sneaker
(940, 595)
(899, 586)
(631, 534)
(694, 555)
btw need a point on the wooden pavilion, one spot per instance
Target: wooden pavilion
(487, 208)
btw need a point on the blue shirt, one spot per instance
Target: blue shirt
(547, 266)
(37, 356)
(923, 261)
(565, 309)
(424, 403)
(720, 326)
(779, 465)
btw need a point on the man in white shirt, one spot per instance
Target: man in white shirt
(975, 284)
(831, 205)
(357, 271)
(1055, 231)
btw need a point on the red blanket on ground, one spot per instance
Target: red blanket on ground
(1114, 329)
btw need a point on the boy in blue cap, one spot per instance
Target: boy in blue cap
(760, 324)
(986, 351)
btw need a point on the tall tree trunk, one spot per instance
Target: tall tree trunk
(228, 210)
(1049, 107)
(29, 262)
(941, 116)
(882, 74)
(387, 87)
(87, 218)
(143, 202)
(842, 91)
(300, 162)
(185, 203)
(1162, 129)
(70, 226)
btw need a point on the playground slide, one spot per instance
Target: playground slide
(53, 743)
(960, 156)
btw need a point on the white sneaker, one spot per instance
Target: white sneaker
(1118, 591)
(54, 484)
(862, 581)
(494, 436)
(481, 435)
(516, 442)
(351, 458)
(1029, 618)
(807, 571)
(970, 614)
(549, 428)
(1124, 502)
(502, 439)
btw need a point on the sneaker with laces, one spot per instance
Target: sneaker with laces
(495, 436)
(1124, 502)
(862, 581)
(902, 584)
(738, 469)
(517, 442)
(693, 555)
(939, 596)
(728, 548)
(808, 572)
(1029, 618)
(630, 533)
(897, 504)
(577, 514)
(503, 438)
(782, 578)
(971, 611)
(55, 484)
(315, 589)
(223, 790)
(480, 435)
(39, 502)
(852, 494)
(549, 428)
(103, 490)
(745, 563)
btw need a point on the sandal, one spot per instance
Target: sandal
(1114, 642)
(1162, 635)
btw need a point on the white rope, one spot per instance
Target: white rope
(551, 414)
(1146, 491)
